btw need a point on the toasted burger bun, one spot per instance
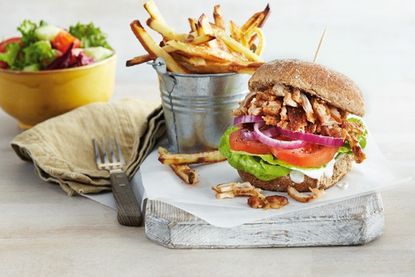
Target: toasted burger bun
(331, 86)
(342, 166)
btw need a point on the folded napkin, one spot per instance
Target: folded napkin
(61, 148)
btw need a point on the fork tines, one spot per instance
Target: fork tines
(108, 155)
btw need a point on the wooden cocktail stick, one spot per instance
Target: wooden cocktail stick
(319, 45)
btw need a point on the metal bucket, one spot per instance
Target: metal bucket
(198, 107)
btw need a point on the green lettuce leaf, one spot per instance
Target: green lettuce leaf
(250, 164)
(267, 167)
(39, 53)
(89, 35)
(28, 30)
(10, 56)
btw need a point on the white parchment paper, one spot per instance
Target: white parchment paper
(158, 182)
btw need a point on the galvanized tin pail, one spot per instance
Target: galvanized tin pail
(198, 107)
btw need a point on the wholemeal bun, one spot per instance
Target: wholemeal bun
(341, 167)
(331, 86)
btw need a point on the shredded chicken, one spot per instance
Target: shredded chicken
(279, 90)
(292, 109)
(244, 105)
(296, 96)
(297, 120)
(335, 114)
(353, 131)
(288, 101)
(265, 96)
(283, 114)
(272, 107)
(305, 103)
(254, 109)
(271, 120)
(323, 112)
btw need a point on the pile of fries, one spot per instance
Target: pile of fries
(179, 163)
(207, 48)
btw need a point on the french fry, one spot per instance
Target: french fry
(268, 202)
(261, 41)
(252, 35)
(139, 60)
(233, 189)
(165, 31)
(204, 52)
(217, 16)
(196, 158)
(194, 61)
(236, 32)
(202, 66)
(256, 199)
(153, 48)
(146, 58)
(303, 197)
(207, 48)
(153, 11)
(256, 20)
(184, 172)
(205, 28)
(252, 41)
(238, 47)
(200, 39)
(193, 24)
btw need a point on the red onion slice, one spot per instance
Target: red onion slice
(276, 142)
(308, 137)
(247, 134)
(247, 119)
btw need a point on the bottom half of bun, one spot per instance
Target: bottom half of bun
(342, 166)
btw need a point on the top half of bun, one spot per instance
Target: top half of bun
(331, 86)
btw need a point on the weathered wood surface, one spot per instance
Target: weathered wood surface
(349, 222)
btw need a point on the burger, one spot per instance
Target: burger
(299, 127)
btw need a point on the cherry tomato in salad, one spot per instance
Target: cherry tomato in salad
(6, 42)
(3, 46)
(63, 40)
(310, 155)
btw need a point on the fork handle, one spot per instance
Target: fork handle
(128, 208)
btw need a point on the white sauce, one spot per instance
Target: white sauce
(317, 173)
(296, 176)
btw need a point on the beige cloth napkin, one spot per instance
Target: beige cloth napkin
(61, 148)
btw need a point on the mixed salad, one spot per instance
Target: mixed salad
(46, 47)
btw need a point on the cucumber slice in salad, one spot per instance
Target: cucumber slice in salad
(31, 68)
(47, 32)
(98, 53)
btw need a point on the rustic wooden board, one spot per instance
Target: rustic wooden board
(349, 222)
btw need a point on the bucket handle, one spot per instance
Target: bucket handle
(170, 83)
(160, 67)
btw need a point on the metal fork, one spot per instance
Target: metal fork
(108, 156)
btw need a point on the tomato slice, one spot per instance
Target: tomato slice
(63, 40)
(311, 155)
(3, 46)
(238, 143)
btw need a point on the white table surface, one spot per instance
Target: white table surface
(45, 233)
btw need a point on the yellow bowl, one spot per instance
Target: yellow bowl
(32, 97)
